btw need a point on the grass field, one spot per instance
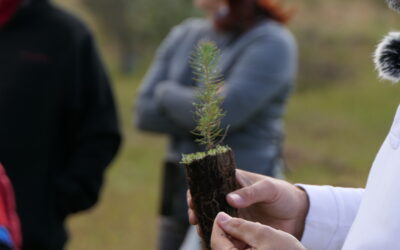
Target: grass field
(335, 123)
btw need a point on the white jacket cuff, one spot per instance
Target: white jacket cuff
(331, 214)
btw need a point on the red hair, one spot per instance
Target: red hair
(243, 14)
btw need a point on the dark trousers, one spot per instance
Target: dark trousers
(174, 221)
(172, 233)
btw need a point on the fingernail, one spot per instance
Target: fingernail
(235, 198)
(223, 217)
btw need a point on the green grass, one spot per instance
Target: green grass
(336, 122)
(334, 134)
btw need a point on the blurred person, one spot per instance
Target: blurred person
(258, 62)
(59, 128)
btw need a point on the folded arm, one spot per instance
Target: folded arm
(148, 114)
(265, 69)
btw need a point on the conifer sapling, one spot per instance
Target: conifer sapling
(210, 174)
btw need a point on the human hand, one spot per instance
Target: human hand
(272, 202)
(238, 234)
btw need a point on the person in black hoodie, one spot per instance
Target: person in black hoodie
(58, 121)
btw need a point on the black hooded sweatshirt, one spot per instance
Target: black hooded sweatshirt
(58, 122)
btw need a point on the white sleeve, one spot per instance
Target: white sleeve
(377, 225)
(331, 214)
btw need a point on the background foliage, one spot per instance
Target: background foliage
(336, 120)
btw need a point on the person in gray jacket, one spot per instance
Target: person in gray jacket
(259, 64)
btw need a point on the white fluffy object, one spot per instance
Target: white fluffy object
(387, 57)
(394, 4)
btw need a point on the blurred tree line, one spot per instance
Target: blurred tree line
(137, 26)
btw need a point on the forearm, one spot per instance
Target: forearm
(148, 117)
(176, 101)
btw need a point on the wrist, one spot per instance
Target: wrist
(304, 206)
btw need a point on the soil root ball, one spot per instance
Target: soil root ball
(210, 179)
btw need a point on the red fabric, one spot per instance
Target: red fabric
(8, 209)
(7, 10)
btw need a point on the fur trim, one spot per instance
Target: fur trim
(394, 4)
(387, 57)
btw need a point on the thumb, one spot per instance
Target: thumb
(250, 233)
(261, 191)
(219, 240)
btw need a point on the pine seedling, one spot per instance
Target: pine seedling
(208, 111)
(211, 175)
